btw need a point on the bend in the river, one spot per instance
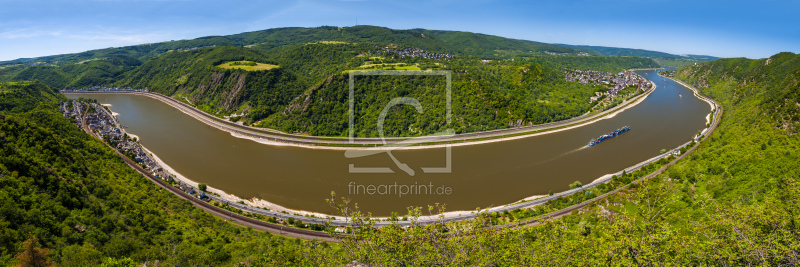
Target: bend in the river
(483, 175)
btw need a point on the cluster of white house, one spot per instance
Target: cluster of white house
(98, 88)
(100, 121)
(411, 52)
(615, 82)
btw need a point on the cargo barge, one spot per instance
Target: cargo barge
(609, 135)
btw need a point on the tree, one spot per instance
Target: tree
(576, 184)
(202, 187)
(33, 256)
(121, 262)
(75, 255)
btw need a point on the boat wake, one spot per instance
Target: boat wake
(561, 156)
(573, 151)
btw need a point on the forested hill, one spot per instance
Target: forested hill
(734, 201)
(287, 78)
(440, 41)
(661, 57)
(86, 206)
(773, 82)
(23, 96)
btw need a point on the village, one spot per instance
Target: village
(103, 124)
(411, 52)
(615, 82)
(669, 73)
(98, 88)
(582, 54)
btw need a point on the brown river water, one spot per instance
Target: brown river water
(482, 175)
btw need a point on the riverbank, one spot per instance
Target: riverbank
(273, 208)
(696, 93)
(452, 215)
(254, 202)
(276, 138)
(260, 203)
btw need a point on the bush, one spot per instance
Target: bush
(576, 184)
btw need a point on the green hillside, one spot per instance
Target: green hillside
(482, 44)
(23, 96)
(305, 93)
(773, 81)
(102, 71)
(485, 96)
(88, 207)
(662, 58)
(734, 201)
(450, 41)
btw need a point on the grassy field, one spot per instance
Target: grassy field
(246, 65)
(329, 42)
(389, 66)
(676, 62)
(93, 59)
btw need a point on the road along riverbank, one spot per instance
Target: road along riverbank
(214, 210)
(274, 137)
(522, 154)
(463, 215)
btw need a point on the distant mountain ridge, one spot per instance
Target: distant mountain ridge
(435, 40)
(439, 41)
(498, 82)
(632, 52)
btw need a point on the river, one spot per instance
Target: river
(483, 175)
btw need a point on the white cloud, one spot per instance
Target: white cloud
(107, 35)
(27, 33)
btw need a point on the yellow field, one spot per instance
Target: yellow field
(246, 65)
(329, 42)
(388, 66)
(88, 60)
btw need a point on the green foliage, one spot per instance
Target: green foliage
(103, 71)
(192, 74)
(729, 203)
(599, 63)
(25, 96)
(122, 262)
(485, 45)
(243, 63)
(81, 255)
(50, 75)
(484, 97)
(439, 41)
(628, 52)
(307, 93)
(83, 203)
(736, 79)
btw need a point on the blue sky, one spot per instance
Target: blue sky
(754, 29)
